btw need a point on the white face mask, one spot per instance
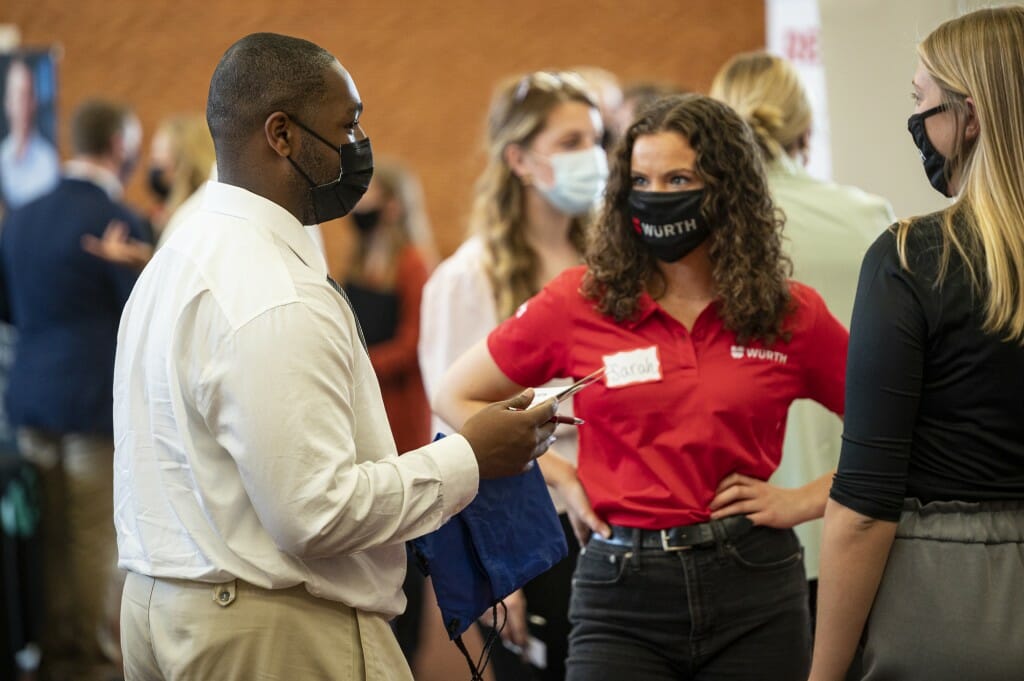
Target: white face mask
(580, 177)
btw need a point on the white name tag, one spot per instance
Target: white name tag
(635, 366)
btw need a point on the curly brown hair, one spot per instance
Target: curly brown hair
(749, 268)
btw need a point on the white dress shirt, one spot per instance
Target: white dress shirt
(182, 214)
(251, 439)
(828, 229)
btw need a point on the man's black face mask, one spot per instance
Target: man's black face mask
(336, 199)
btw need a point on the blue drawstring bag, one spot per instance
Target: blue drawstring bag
(509, 534)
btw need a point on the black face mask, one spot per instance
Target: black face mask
(366, 220)
(336, 199)
(157, 184)
(934, 162)
(670, 224)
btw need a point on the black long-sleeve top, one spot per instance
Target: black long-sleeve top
(934, 406)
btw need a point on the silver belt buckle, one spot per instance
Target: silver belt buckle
(671, 549)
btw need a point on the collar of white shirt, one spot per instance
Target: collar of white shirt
(241, 203)
(80, 169)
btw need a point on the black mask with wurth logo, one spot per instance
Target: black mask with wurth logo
(670, 224)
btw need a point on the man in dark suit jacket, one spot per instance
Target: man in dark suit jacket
(66, 305)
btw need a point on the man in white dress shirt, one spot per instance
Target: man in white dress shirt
(260, 505)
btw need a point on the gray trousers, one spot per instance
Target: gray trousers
(951, 602)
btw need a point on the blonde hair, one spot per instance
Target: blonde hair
(412, 227)
(766, 91)
(192, 149)
(519, 111)
(979, 56)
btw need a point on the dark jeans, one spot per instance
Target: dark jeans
(734, 610)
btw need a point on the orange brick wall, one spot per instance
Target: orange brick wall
(425, 68)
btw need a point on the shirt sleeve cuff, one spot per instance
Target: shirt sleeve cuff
(459, 473)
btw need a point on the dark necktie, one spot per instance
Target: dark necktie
(359, 328)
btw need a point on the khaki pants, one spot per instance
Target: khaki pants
(79, 552)
(177, 630)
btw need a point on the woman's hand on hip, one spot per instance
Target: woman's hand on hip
(561, 474)
(764, 503)
(582, 517)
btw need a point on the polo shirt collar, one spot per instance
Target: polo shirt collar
(228, 199)
(645, 307)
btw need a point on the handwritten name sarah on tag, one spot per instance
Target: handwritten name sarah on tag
(634, 366)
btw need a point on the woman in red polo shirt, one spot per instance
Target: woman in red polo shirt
(685, 302)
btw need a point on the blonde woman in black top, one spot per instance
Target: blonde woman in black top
(924, 533)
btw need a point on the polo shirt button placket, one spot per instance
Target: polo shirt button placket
(689, 342)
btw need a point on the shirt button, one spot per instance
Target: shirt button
(224, 596)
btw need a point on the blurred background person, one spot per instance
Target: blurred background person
(385, 283)
(66, 306)
(181, 159)
(828, 228)
(29, 163)
(545, 171)
(604, 86)
(923, 554)
(635, 98)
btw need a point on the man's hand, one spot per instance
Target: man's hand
(506, 436)
(118, 247)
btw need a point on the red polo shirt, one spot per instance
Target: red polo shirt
(677, 410)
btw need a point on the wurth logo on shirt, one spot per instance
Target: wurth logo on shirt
(740, 351)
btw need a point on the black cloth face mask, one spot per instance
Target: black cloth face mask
(336, 199)
(366, 220)
(934, 162)
(670, 224)
(157, 184)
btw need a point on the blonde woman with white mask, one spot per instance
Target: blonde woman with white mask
(545, 173)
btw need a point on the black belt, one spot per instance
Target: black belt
(680, 538)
